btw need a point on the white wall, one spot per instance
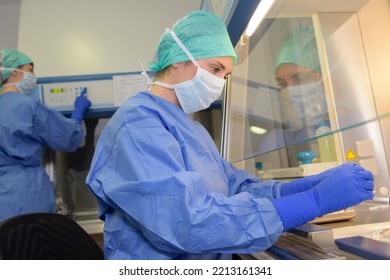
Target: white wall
(73, 37)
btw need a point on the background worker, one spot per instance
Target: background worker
(26, 128)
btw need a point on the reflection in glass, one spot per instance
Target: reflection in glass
(285, 91)
(311, 78)
(299, 79)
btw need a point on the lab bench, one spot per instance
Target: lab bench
(364, 237)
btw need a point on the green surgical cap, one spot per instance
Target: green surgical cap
(11, 59)
(202, 33)
(300, 48)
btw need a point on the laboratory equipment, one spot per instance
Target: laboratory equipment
(354, 128)
(106, 91)
(306, 157)
(352, 55)
(365, 247)
(292, 246)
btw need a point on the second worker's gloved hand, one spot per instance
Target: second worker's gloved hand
(343, 188)
(81, 104)
(308, 182)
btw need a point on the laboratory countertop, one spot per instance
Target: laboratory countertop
(365, 236)
(367, 213)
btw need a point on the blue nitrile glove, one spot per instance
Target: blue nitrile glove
(343, 188)
(81, 104)
(306, 183)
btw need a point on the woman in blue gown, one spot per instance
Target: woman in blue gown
(164, 191)
(26, 128)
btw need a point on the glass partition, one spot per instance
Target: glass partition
(309, 90)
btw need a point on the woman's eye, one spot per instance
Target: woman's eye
(215, 70)
(281, 85)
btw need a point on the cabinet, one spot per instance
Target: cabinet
(339, 53)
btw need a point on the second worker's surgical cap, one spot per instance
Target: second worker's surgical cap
(300, 48)
(202, 33)
(10, 59)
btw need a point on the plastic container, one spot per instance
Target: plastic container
(326, 145)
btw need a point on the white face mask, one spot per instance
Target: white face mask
(27, 85)
(309, 102)
(198, 93)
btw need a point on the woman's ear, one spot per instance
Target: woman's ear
(15, 73)
(14, 76)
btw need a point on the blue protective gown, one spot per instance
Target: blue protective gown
(26, 127)
(164, 192)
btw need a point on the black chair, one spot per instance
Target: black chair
(46, 236)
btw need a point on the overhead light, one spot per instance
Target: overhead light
(257, 130)
(258, 16)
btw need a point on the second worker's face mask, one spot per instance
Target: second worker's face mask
(198, 93)
(309, 102)
(27, 84)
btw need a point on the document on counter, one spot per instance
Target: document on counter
(126, 86)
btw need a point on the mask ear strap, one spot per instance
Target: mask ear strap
(149, 81)
(181, 45)
(11, 69)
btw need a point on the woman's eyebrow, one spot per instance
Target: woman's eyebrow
(223, 67)
(220, 65)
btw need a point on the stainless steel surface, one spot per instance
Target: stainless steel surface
(298, 247)
(371, 218)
